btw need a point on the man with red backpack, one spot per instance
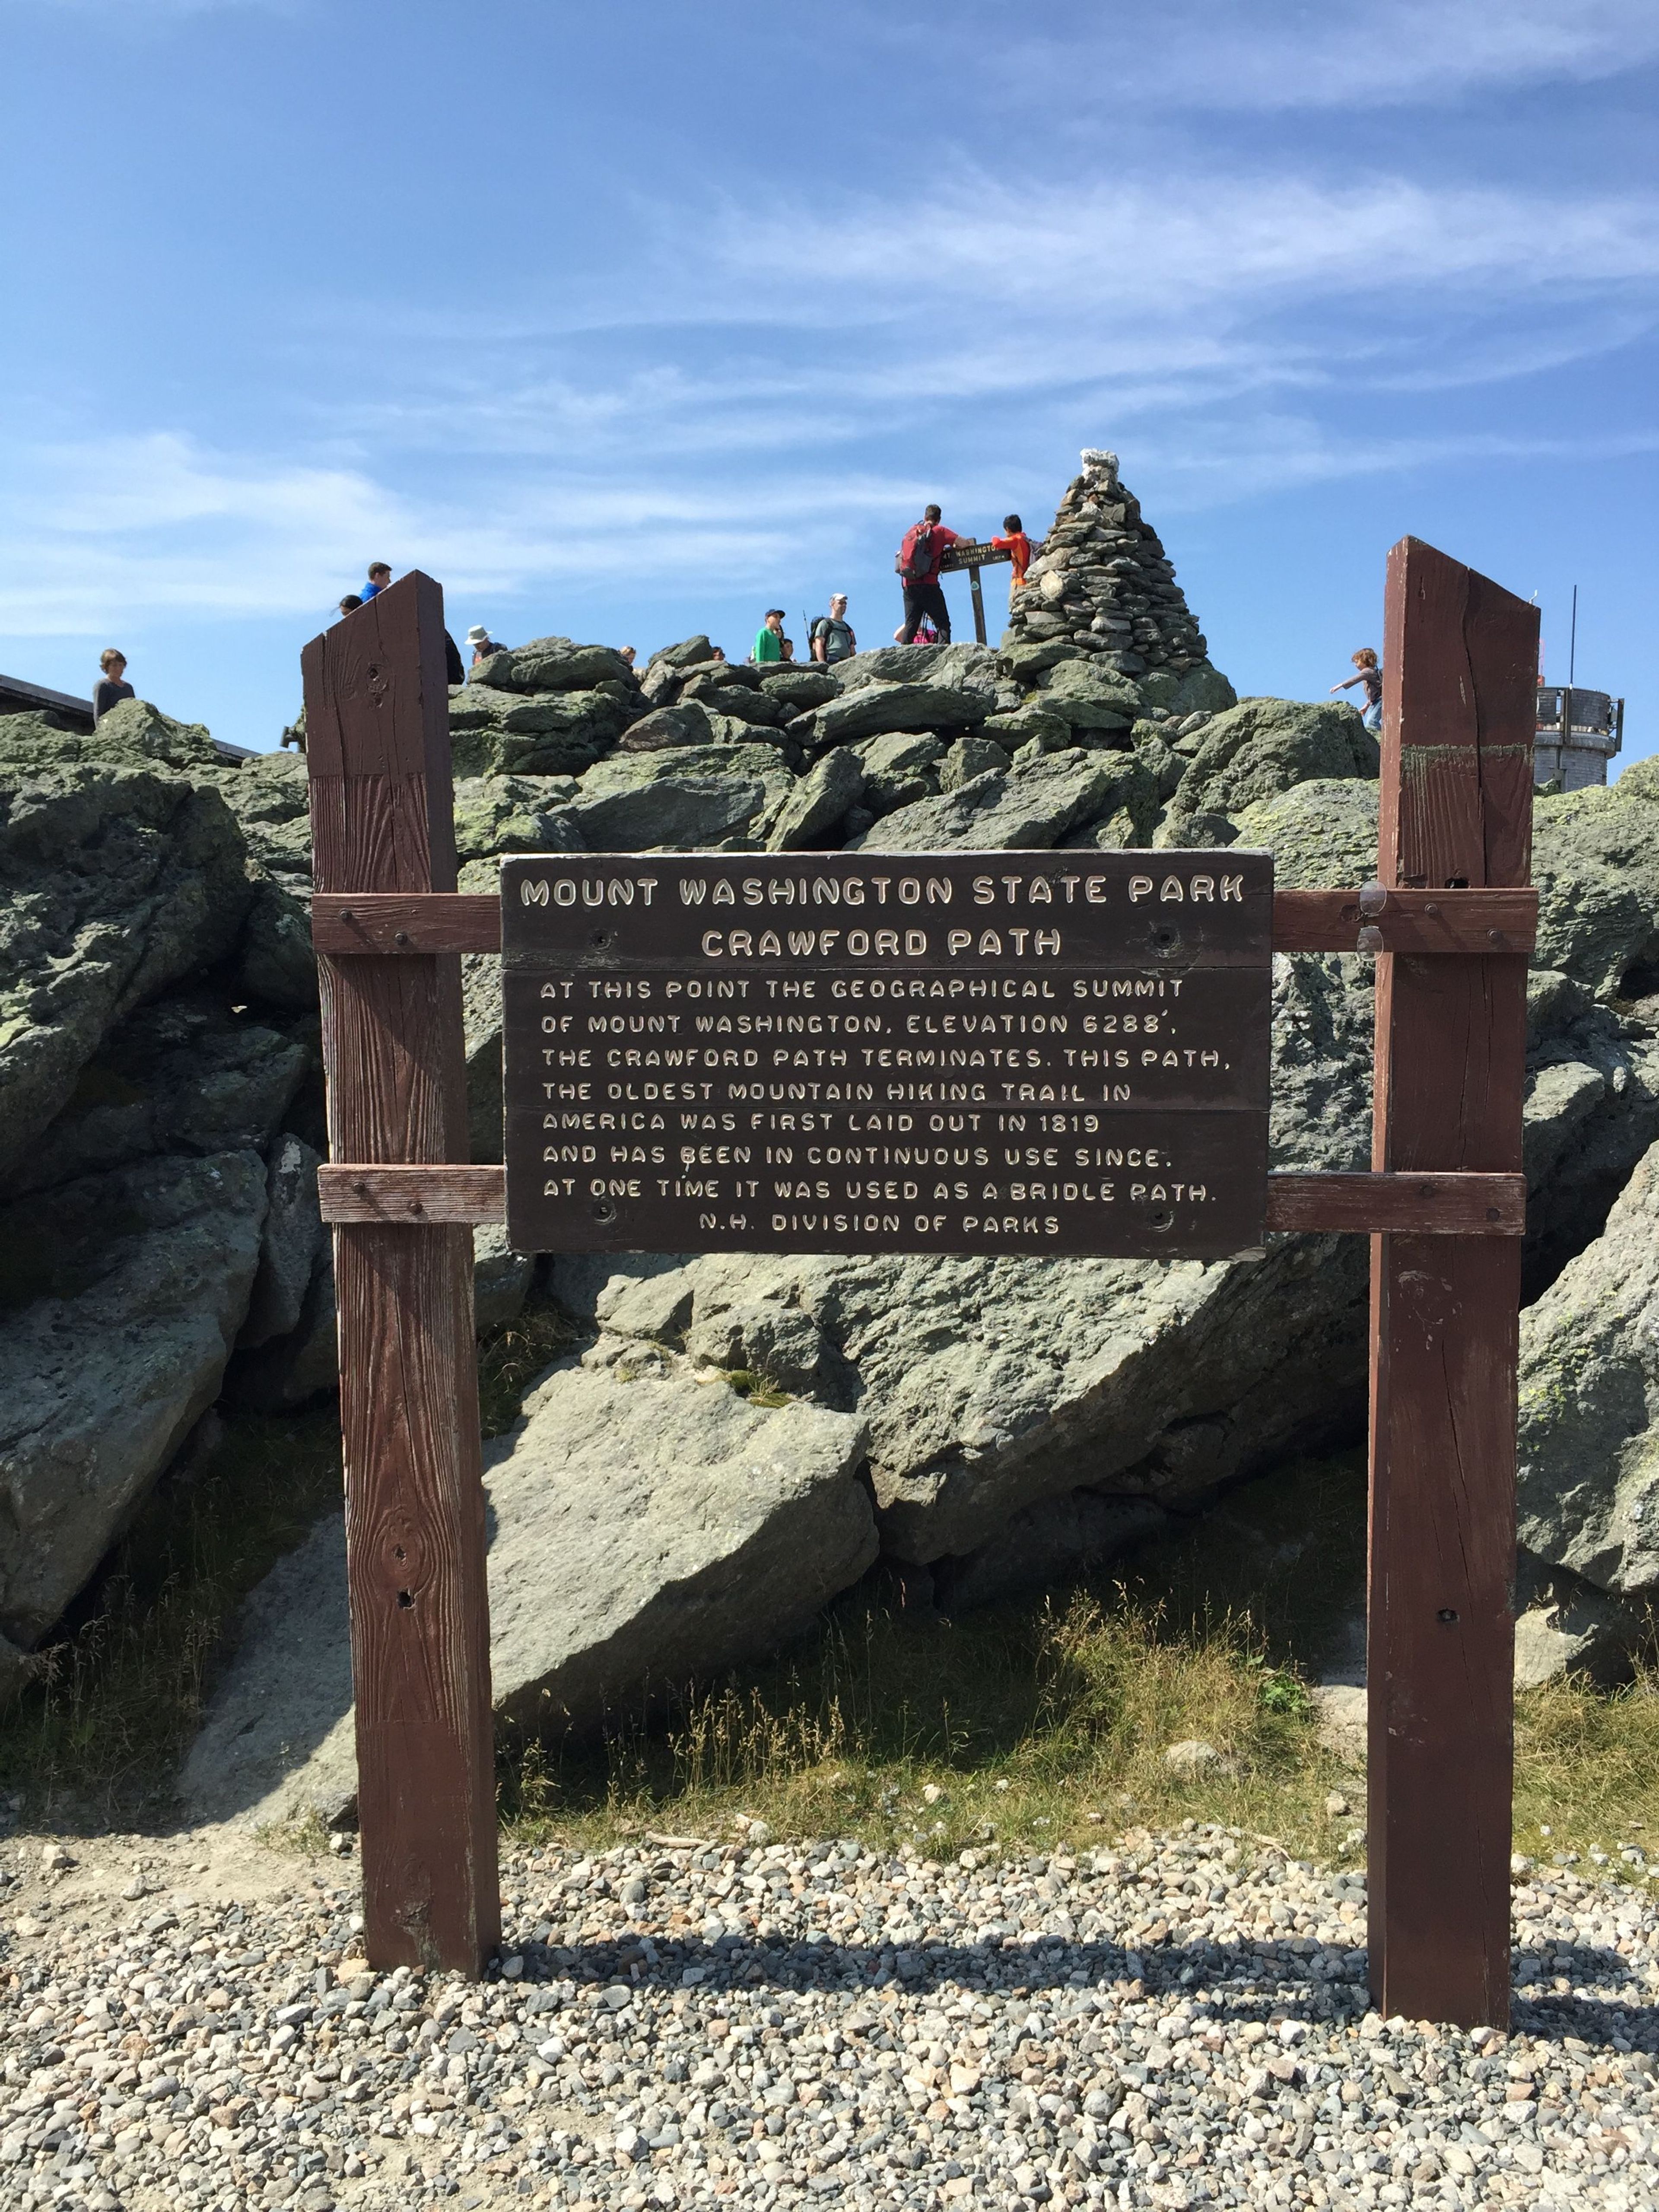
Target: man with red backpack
(917, 561)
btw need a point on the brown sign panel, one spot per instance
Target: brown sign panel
(977, 553)
(1038, 1052)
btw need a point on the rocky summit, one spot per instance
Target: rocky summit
(726, 1444)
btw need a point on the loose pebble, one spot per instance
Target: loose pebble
(1171, 2020)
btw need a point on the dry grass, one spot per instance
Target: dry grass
(1041, 1721)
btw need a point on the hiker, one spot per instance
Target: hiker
(917, 561)
(110, 689)
(1370, 675)
(630, 653)
(832, 637)
(378, 577)
(481, 643)
(1016, 543)
(349, 604)
(454, 671)
(769, 639)
(924, 633)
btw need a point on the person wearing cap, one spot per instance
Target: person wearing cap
(832, 633)
(769, 639)
(481, 643)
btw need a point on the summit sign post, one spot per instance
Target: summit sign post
(1043, 1053)
(987, 1053)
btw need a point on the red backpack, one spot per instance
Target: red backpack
(914, 558)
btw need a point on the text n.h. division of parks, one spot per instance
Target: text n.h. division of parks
(965, 1052)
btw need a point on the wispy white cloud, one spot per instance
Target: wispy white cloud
(1277, 55)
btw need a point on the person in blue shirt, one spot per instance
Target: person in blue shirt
(380, 575)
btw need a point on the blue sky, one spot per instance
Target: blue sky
(632, 321)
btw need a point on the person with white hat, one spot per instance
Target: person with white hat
(481, 643)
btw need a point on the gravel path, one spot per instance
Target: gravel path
(1175, 2021)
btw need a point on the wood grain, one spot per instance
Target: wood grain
(1423, 1204)
(414, 923)
(407, 923)
(1460, 659)
(1416, 1205)
(1417, 922)
(377, 718)
(438, 1195)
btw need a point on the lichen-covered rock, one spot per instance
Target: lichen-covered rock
(548, 733)
(496, 814)
(125, 1294)
(183, 1075)
(680, 1529)
(1029, 806)
(819, 801)
(553, 664)
(1588, 1481)
(1596, 860)
(121, 882)
(1262, 746)
(950, 664)
(132, 731)
(1322, 835)
(693, 796)
(1088, 694)
(876, 708)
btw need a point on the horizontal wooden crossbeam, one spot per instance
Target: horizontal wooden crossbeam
(1450, 1205)
(1303, 921)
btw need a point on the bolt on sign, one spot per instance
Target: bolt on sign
(1035, 1053)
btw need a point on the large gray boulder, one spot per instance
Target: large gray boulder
(700, 795)
(121, 882)
(499, 733)
(182, 1075)
(496, 814)
(270, 799)
(874, 707)
(1596, 860)
(1588, 1485)
(1029, 806)
(552, 663)
(125, 1293)
(646, 1528)
(1262, 746)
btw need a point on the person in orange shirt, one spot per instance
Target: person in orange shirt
(1020, 544)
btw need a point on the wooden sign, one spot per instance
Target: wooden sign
(1067, 1017)
(975, 1052)
(976, 553)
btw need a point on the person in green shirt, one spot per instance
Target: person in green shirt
(768, 639)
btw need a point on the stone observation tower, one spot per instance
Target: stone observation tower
(1578, 733)
(1104, 585)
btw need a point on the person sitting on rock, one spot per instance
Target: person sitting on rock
(110, 689)
(1018, 544)
(917, 562)
(1370, 675)
(380, 575)
(832, 633)
(630, 653)
(769, 639)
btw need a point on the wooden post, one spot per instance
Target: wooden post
(377, 715)
(1459, 708)
(979, 605)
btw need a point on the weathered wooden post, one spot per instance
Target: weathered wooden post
(1460, 663)
(377, 715)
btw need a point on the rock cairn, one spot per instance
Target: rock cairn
(1103, 580)
(1173, 2021)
